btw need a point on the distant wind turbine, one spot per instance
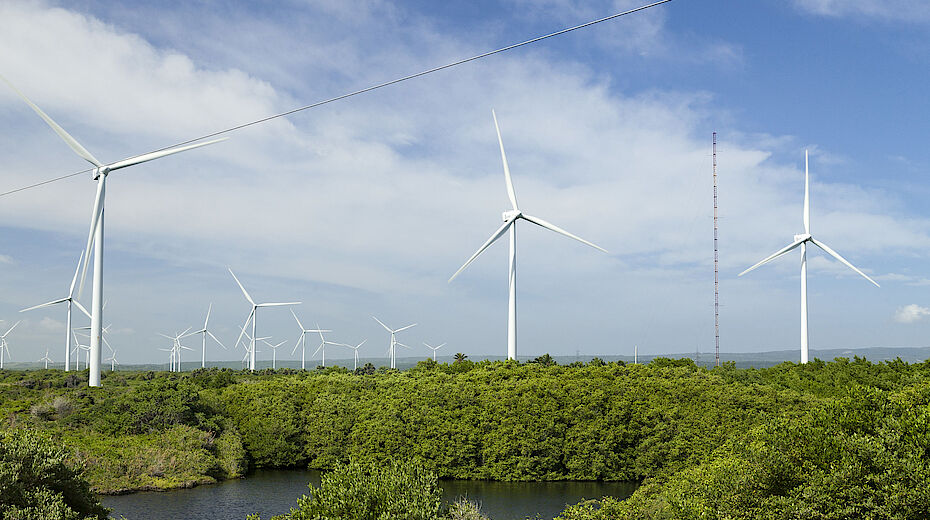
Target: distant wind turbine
(394, 341)
(510, 222)
(252, 318)
(4, 346)
(434, 349)
(302, 340)
(354, 351)
(801, 241)
(274, 352)
(204, 332)
(95, 235)
(323, 343)
(70, 300)
(46, 359)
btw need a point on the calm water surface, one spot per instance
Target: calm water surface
(273, 492)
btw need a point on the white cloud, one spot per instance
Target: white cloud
(375, 201)
(910, 11)
(911, 313)
(6, 259)
(50, 325)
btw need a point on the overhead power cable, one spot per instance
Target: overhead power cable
(367, 89)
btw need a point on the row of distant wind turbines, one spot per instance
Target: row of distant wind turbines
(510, 218)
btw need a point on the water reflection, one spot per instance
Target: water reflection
(274, 492)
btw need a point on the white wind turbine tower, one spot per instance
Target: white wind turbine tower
(204, 332)
(355, 351)
(394, 342)
(801, 241)
(510, 222)
(46, 359)
(4, 346)
(70, 300)
(302, 340)
(252, 318)
(95, 235)
(434, 349)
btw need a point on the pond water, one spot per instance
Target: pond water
(273, 492)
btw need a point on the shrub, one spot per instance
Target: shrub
(368, 491)
(36, 483)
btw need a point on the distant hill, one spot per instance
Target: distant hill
(741, 359)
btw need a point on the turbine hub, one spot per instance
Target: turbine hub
(511, 214)
(803, 236)
(103, 170)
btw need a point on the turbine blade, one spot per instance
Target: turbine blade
(46, 304)
(76, 271)
(552, 227)
(11, 328)
(298, 319)
(216, 340)
(774, 255)
(836, 255)
(246, 324)
(510, 192)
(131, 161)
(405, 328)
(298, 342)
(497, 234)
(383, 325)
(247, 297)
(94, 221)
(65, 136)
(81, 307)
(277, 304)
(807, 200)
(206, 321)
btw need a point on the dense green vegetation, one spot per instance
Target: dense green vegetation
(823, 440)
(36, 482)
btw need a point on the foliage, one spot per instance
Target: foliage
(367, 491)
(37, 483)
(822, 440)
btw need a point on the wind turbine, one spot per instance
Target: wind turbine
(46, 359)
(252, 317)
(394, 341)
(95, 235)
(434, 349)
(801, 241)
(274, 352)
(4, 346)
(112, 360)
(176, 348)
(355, 350)
(510, 222)
(302, 340)
(323, 343)
(204, 332)
(70, 300)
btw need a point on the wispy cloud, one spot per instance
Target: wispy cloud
(908, 11)
(911, 313)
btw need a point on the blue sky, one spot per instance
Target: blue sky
(366, 206)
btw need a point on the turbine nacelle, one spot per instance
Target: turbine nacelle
(803, 237)
(103, 170)
(511, 214)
